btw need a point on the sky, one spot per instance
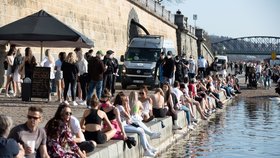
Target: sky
(232, 18)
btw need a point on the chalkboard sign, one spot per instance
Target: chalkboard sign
(41, 82)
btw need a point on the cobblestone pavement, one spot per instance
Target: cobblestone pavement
(17, 109)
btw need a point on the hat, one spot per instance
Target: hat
(169, 53)
(109, 52)
(99, 52)
(77, 49)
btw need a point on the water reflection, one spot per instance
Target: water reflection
(248, 128)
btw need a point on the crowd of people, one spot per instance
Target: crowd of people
(185, 85)
(72, 75)
(257, 73)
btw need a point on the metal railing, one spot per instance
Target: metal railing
(157, 9)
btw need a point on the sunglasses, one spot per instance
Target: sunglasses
(141, 93)
(103, 101)
(68, 113)
(32, 117)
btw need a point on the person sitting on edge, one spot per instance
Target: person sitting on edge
(78, 135)
(147, 112)
(8, 147)
(59, 137)
(121, 102)
(113, 115)
(168, 100)
(136, 107)
(30, 135)
(91, 123)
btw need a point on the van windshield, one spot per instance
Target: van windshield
(142, 54)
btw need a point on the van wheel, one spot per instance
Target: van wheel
(124, 86)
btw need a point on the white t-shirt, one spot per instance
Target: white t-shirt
(83, 66)
(201, 63)
(47, 63)
(259, 68)
(178, 93)
(75, 127)
(192, 68)
(123, 118)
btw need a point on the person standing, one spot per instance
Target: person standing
(9, 73)
(17, 77)
(48, 61)
(108, 74)
(179, 72)
(96, 71)
(30, 135)
(70, 74)
(83, 77)
(59, 75)
(158, 69)
(29, 63)
(168, 68)
(202, 64)
(192, 68)
(115, 74)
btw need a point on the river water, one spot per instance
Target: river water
(248, 128)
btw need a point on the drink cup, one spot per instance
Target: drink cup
(31, 144)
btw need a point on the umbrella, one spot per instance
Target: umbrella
(42, 30)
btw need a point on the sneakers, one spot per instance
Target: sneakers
(83, 103)
(190, 127)
(75, 103)
(154, 150)
(79, 100)
(149, 153)
(66, 102)
(194, 124)
(176, 127)
(155, 135)
(7, 95)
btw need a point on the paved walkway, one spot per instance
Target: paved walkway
(17, 109)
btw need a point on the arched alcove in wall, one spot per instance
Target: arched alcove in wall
(134, 25)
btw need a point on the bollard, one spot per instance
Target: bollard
(26, 89)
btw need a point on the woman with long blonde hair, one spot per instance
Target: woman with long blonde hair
(70, 74)
(136, 111)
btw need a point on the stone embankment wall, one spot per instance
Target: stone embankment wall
(104, 21)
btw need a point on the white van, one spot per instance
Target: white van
(221, 64)
(139, 60)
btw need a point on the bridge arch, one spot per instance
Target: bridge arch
(251, 45)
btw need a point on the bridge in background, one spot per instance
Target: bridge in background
(252, 45)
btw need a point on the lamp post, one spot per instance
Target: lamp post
(194, 18)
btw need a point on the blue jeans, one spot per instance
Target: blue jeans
(267, 81)
(188, 114)
(92, 86)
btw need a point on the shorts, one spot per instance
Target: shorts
(58, 75)
(98, 136)
(116, 126)
(159, 113)
(9, 71)
(86, 146)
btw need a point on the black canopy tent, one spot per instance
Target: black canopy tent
(42, 30)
